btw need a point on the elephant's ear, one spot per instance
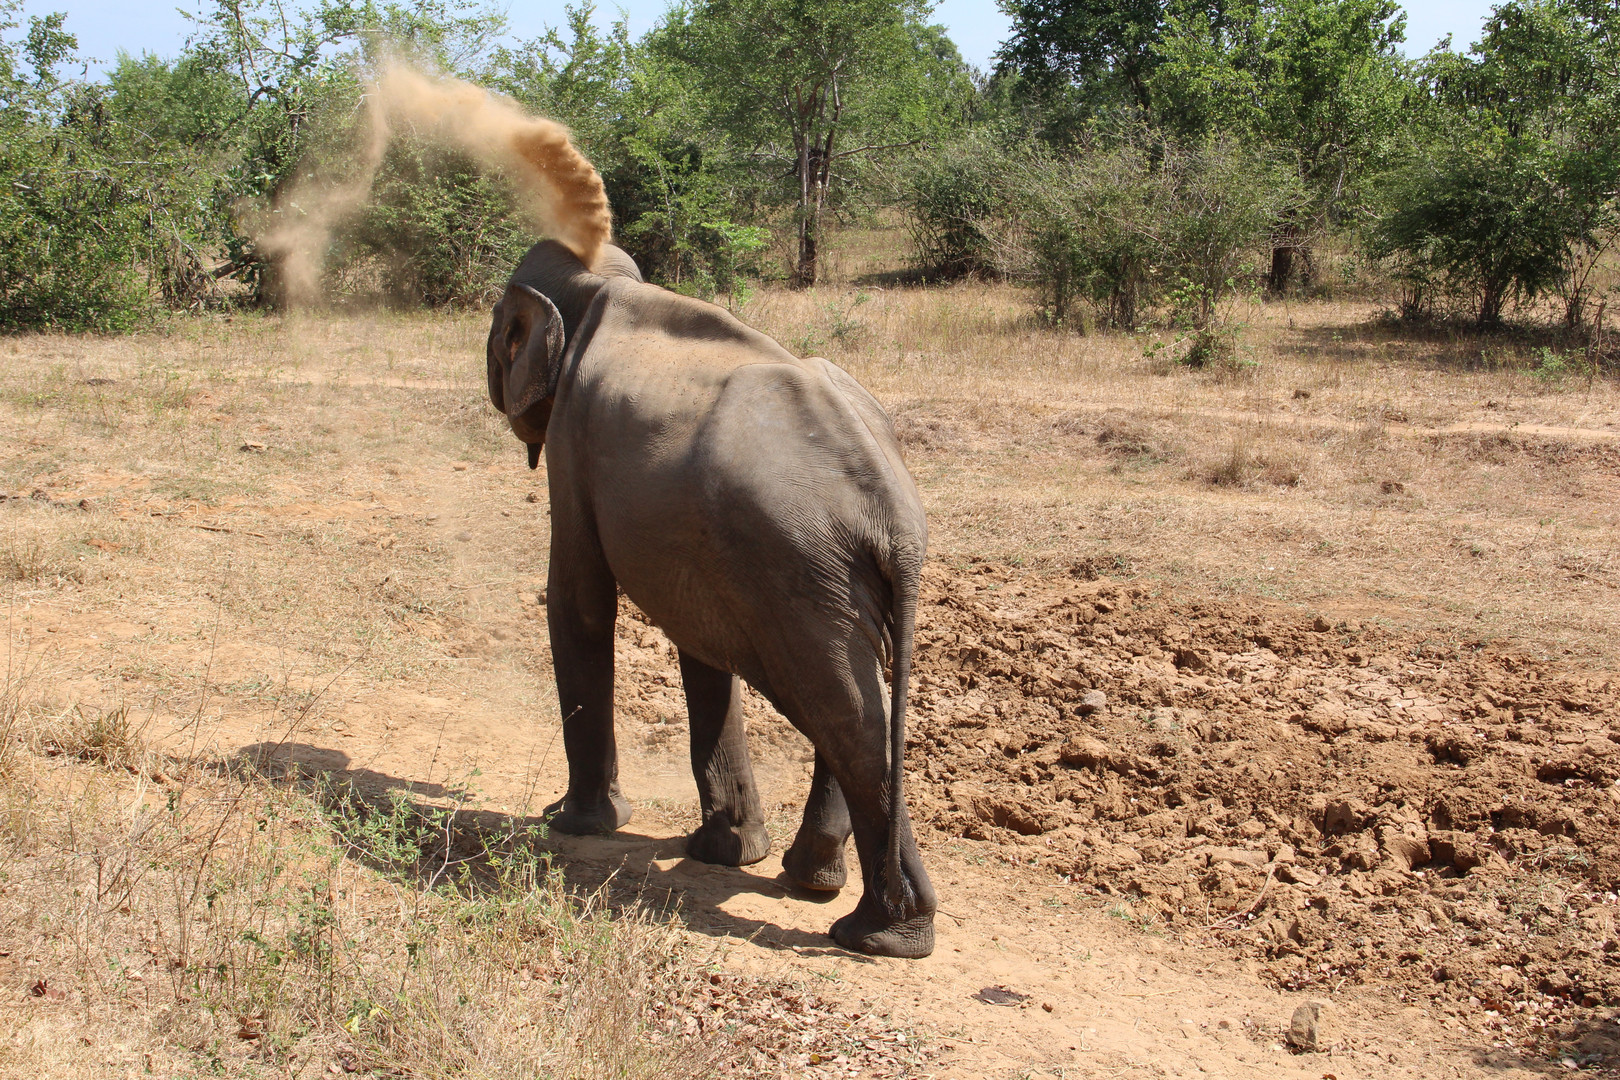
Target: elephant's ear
(525, 350)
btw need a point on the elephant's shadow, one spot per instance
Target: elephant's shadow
(401, 828)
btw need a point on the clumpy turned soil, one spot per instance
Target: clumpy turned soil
(1354, 807)
(1342, 800)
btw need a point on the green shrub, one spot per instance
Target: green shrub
(1141, 224)
(436, 230)
(1482, 224)
(953, 196)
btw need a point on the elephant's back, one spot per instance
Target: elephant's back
(741, 493)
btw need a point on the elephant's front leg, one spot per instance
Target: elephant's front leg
(816, 859)
(581, 606)
(733, 828)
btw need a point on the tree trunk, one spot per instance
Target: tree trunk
(1282, 268)
(804, 274)
(1490, 304)
(812, 196)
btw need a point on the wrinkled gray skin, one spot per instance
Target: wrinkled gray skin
(756, 507)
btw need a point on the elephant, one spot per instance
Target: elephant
(756, 507)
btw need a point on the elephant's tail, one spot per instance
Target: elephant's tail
(904, 580)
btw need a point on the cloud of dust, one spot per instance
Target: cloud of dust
(562, 191)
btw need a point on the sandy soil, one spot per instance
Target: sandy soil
(1163, 811)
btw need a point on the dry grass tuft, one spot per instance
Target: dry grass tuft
(1232, 470)
(104, 736)
(32, 559)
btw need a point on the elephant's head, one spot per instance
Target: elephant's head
(533, 323)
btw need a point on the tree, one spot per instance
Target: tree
(1321, 78)
(677, 184)
(95, 218)
(1487, 218)
(1101, 50)
(1514, 193)
(295, 78)
(814, 84)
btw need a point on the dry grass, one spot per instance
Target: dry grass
(199, 918)
(1355, 461)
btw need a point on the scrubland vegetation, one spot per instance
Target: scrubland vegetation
(1151, 166)
(1256, 379)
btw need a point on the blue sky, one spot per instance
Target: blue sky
(977, 26)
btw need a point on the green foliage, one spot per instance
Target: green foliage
(1091, 221)
(1224, 198)
(1515, 197)
(436, 230)
(677, 184)
(1082, 57)
(952, 195)
(1485, 221)
(1322, 78)
(1129, 159)
(806, 90)
(1135, 224)
(97, 221)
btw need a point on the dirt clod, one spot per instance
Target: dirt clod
(1323, 809)
(1000, 995)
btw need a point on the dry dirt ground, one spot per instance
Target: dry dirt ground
(1236, 691)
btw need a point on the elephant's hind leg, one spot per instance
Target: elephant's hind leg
(842, 708)
(816, 859)
(733, 828)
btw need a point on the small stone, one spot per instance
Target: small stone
(1304, 1031)
(1321, 625)
(1000, 995)
(459, 466)
(532, 497)
(1092, 702)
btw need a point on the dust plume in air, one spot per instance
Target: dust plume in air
(562, 192)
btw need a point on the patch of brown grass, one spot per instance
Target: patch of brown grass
(217, 921)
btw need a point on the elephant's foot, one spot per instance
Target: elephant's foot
(568, 815)
(719, 841)
(816, 863)
(869, 929)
